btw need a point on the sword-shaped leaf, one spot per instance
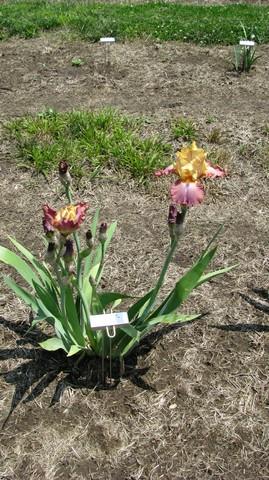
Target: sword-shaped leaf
(42, 271)
(210, 275)
(23, 294)
(74, 349)
(185, 285)
(72, 316)
(13, 260)
(139, 305)
(53, 344)
(107, 298)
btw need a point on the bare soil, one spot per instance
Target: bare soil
(193, 403)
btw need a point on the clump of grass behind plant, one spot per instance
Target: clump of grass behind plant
(184, 129)
(89, 141)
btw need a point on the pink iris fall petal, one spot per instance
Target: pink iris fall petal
(165, 171)
(188, 194)
(49, 215)
(214, 172)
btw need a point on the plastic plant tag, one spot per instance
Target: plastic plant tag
(106, 320)
(247, 43)
(107, 40)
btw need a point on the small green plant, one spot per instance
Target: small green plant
(77, 62)
(64, 290)
(245, 55)
(185, 129)
(210, 119)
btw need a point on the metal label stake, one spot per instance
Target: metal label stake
(108, 322)
(111, 334)
(107, 41)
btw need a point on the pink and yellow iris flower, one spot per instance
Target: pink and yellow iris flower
(66, 220)
(190, 166)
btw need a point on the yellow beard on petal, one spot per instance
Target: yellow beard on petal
(67, 213)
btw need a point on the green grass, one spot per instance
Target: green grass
(88, 141)
(184, 129)
(162, 21)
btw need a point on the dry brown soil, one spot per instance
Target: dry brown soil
(195, 406)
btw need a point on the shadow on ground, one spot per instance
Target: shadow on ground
(242, 327)
(263, 295)
(44, 367)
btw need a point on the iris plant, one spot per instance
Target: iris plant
(63, 289)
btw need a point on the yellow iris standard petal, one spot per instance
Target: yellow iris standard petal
(191, 163)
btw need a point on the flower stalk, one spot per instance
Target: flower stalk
(175, 225)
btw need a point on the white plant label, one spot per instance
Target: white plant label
(247, 43)
(106, 320)
(107, 40)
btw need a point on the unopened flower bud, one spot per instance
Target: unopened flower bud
(102, 232)
(89, 238)
(64, 174)
(48, 228)
(172, 214)
(180, 221)
(69, 252)
(175, 221)
(51, 252)
(63, 167)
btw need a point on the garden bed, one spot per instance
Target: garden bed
(196, 405)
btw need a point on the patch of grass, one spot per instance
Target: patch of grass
(88, 141)
(218, 24)
(210, 119)
(185, 129)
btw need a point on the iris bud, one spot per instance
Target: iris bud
(51, 252)
(175, 221)
(89, 238)
(64, 174)
(69, 252)
(102, 232)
